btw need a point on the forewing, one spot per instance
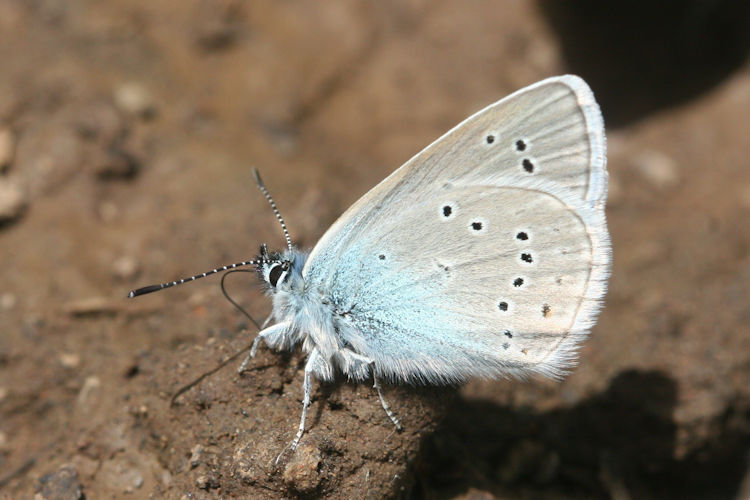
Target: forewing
(558, 122)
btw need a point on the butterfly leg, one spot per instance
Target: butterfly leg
(268, 320)
(272, 335)
(359, 367)
(383, 402)
(312, 361)
(307, 388)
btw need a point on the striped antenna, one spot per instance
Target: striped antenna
(273, 207)
(155, 288)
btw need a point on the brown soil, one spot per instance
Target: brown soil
(130, 129)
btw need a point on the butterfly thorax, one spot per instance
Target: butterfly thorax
(313, 318)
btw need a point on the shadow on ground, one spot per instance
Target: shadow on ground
(642, 56)
(617, 444)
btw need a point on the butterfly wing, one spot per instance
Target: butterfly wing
(485, 254)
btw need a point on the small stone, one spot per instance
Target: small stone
(134, 99)
(658, 169)
(61, 484)
(8, 301)
(12, 201)
(117, 163)
(218, 25)
(137, 482)
(164, 477)
(7, 148)
(196, 456)
(139, 411)
(70, 360)
(125, 268)
(301, 473)
(206, 482)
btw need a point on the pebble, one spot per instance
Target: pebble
(196, 456)
(117, 163)
(125, 268)
(12, 200)
(61, 484)
(69, 360)
(658, 169)
(134, 99)
(206, 482)
(217, 26)
(7, 148)
(8, 301)
(301, 473)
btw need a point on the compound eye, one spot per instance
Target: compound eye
(276, 272)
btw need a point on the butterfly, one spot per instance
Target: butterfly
(485, 255)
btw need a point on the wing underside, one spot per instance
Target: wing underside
(487, 253)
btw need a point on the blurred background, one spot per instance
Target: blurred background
(128, 130)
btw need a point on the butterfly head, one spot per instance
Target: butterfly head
(274, 268)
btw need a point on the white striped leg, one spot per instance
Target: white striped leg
(249, 357)
(307, 388)
(383, 402)
(358, 365)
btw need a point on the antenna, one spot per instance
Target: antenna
(263, 189)
(155, 288)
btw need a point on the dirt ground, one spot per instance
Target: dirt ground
(128, 130)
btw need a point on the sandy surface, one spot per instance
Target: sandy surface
(127, 134)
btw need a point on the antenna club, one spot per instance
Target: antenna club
(258, 180)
